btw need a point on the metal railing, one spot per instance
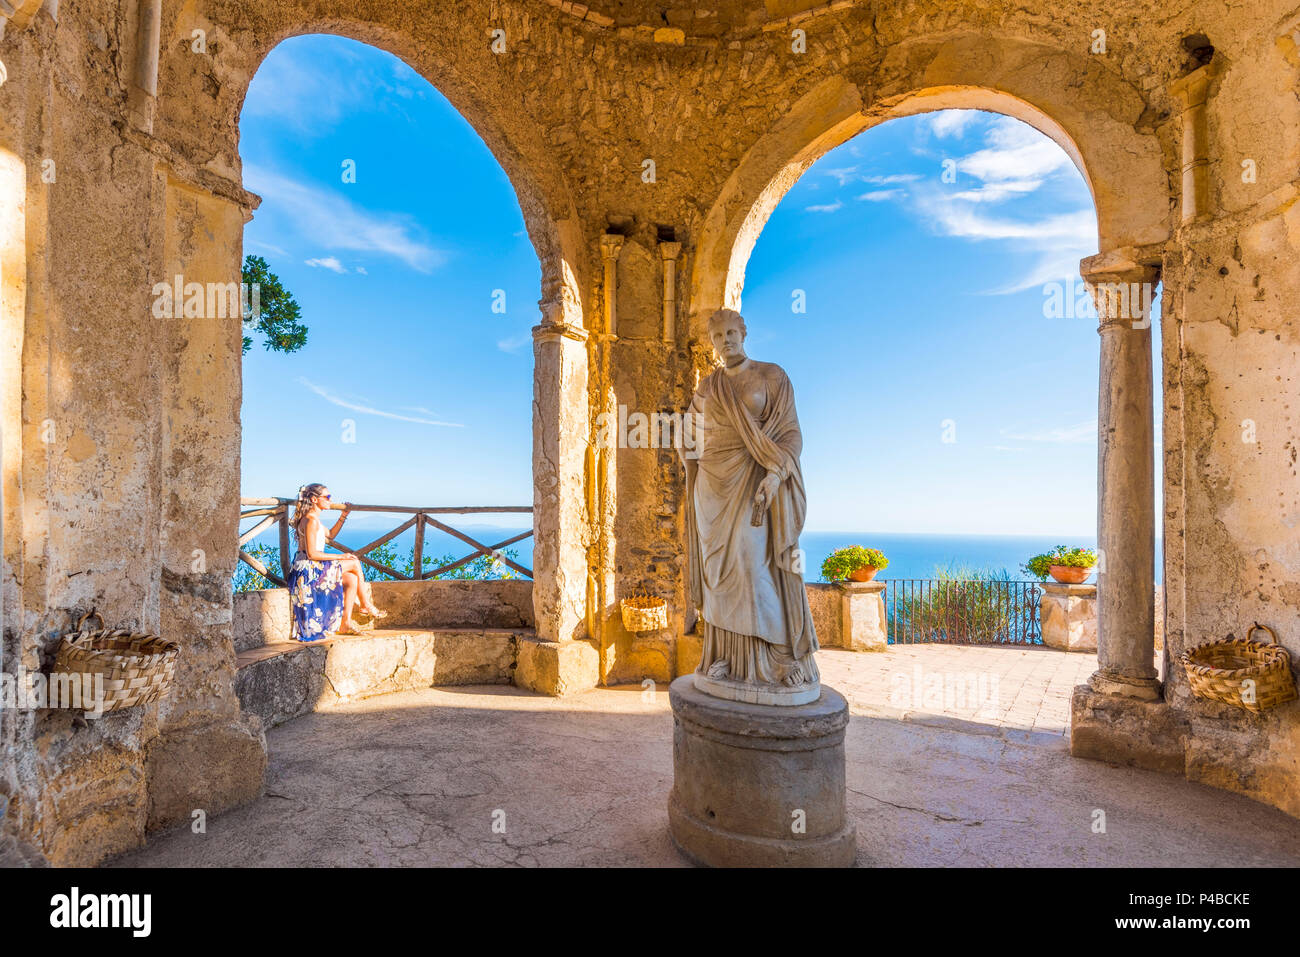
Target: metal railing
(962, 611)
(275, 511)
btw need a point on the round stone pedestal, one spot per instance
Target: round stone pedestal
(759, 785)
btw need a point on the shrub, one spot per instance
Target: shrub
(842, 562)
(960, 605)
(1039, 565)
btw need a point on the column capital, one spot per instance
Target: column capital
(669, 251)
(1193, 88)
(611, 246)
(1122, 288)
(1122, 264)
(559, 330)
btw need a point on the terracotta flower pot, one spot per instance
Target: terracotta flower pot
(863, 574)
(1069, 575)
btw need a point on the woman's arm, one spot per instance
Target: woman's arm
(338, 526)
(309, 536)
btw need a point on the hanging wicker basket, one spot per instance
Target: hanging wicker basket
(644, 613)
(136, 668)
(1219, 671)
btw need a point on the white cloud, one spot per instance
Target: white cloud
(269, 247)
(844, 175)
(362, 271)
(310, 85)
(824, 208)
(1082, 432)
(370, 410)
(996, 192)
(330, 263)
(880, 195)
(1016, 152)
(513, 343)
(1060, 265)
(892, 178)
(947, 123)
(335, 222)
(955, 219)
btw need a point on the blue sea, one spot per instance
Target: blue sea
(910, 555)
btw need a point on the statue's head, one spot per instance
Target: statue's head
(727, 333)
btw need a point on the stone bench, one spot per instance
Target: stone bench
(286, 679)
(436, 633)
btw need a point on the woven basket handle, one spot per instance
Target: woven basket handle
(1258, 627)
(90, 614)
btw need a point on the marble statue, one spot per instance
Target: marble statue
(745, 507)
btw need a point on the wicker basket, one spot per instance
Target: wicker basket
(644, 613)
(136, 668)
(1218, 670)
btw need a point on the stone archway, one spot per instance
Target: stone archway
(1092, 118)
(543, 194)
(153, 542)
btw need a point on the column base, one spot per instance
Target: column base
(1123, 730)
(556, 668)
(759, 785)
(1143, 689)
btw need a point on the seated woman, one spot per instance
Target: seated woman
(324, 588)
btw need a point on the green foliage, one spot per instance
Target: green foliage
(960, 605)
(842, 562)
(483, 568)
(385, 554)
(1039, 565)
(278, 312)
(248, 580)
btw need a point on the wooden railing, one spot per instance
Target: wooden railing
(277, 511)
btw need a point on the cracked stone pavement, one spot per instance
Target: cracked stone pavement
(496, 776)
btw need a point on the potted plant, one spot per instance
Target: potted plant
(854, 562)
(1069, 566)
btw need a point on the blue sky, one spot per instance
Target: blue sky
(924, 318)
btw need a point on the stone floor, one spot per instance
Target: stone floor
(420, 778)
(1026, 688)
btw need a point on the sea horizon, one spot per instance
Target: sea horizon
(910, 554)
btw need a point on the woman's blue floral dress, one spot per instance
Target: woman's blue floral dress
(316, 594)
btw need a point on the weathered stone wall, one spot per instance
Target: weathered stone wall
(120, 442)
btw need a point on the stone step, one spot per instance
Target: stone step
(285, 679)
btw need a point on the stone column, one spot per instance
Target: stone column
(668, 252)
(560, 431)
(601, 586)
(1192, 90)
(556, 663)
(1122, 290)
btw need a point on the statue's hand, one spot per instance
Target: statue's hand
(767, 490)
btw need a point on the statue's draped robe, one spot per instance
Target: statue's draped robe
(747, 581)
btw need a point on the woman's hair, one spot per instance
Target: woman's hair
(301, 507)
